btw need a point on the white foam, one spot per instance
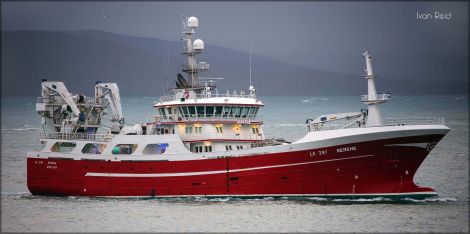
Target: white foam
(290, 125)
(435, 199)
(310, 100)
(20, 129)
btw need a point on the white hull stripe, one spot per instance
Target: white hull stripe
(286, 195)
(420, 145)
(214, 172)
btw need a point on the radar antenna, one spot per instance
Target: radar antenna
(191, 49)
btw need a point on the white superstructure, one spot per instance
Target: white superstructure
(205, 119)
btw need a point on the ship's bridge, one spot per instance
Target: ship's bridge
(237, 108)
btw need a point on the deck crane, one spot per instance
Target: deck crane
(110, 92)
(52, 89)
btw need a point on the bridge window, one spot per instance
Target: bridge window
(245, 111)
(189, 130)
(218, 111)
(200, 111)
(162, 113)
(155, 148)
(255, 130)
(64, 147)
(124, 148)
(252, 112)
(226, 111)
(93, 148)
(209, 111)
(185, 111)
(238, 112)
(192, 111)
(228, 147)
(198, 129)
(256, 111)
(219, 129)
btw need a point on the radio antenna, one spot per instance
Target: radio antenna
(250, 59)
(166, 76)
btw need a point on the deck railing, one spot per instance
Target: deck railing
(76, 136)
(196, 67)
(413, 121)
(205, 96)
(379, 97)
(385, 122)
(222, 136)
(59, 100)
(187, 118)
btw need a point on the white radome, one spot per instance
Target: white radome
(193, 22)
(198, 44)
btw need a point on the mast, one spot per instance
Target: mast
(250, 62)
(191, 49)
(166, 74)
(251, 88)
(372, 99)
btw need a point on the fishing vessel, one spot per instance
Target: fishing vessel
(202, 142)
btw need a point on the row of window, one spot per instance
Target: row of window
(97, 148)
(211, 111)
(199, 148)
(229, 147)
(189, 130)
(219, 129)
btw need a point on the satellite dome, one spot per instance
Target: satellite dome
(193, 22)
(198, 44)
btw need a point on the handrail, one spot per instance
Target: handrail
(379, 97)
(196, 67)
(413, 121)
(221, 136)
(76, 136)
(385, 122)
(206, 96)
(240, 120)
(59, 100)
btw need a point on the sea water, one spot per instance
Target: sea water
(445, 170)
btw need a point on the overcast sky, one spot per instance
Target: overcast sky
(323, 35)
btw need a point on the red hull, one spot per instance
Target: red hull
(378, 168)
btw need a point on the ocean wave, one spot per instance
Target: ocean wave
(434, 199)
(375, 199)
(16, 194)
(317, 198)
(20, 129)
(289, 125)
(213, 199)
(312, 100)
(308, 100)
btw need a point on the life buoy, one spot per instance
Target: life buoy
(186, 94)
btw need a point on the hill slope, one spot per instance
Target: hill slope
(79, 58)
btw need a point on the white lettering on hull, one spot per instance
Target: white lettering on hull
(346, 149)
